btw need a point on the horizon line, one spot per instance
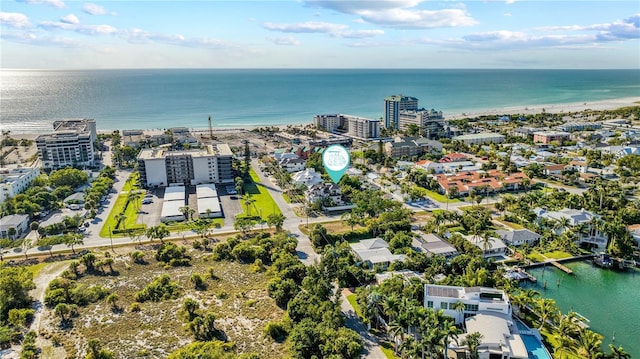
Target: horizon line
(314, 68)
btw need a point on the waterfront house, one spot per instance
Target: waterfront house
(475, 300)
(518, 237)
(592, 236)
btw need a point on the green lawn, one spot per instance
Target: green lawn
(353, 300)
(132, 182)
(387, 349)
(36, 268)
(437, 196)
(262, 198)
(558, 255)
(536, 257)
(512, 225)
(130, 212)
(286, 198)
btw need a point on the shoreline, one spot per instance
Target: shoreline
(567, 108)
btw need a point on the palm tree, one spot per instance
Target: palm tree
(473, 341)
(449, 331)
(460, 307)
(589, 344)
(73, 239)
(158, 232)
(546, 309)
(248, 201)
(121, 220)
(396, 329)
(187, 212)
(618, 353)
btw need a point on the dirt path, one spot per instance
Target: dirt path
(46, 275)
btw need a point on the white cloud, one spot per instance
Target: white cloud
(82, 29)
(419, 19)
(15, 20)
(357, 34)
(93, 9)
(331, 29)
(70, 19)
(400, 13)
(305, 27)
(33, 39)
(508, 14)
(628, 28)
(139, 36)
(55, 3)
(509, 2)
(285, 41)
(356, 7)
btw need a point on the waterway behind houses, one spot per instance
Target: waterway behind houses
(609, 299)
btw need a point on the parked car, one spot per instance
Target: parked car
(147, 201)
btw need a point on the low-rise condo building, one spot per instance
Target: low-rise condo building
(14, 180)
(480, 138)
(71, 143)
(550, 136)
(14, 226)
(159, 167)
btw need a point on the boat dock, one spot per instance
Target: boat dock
(520, 274)
(561, 267)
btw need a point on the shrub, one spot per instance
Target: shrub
(172, 254)
(161, 288)
(276, 331)
(134, 307)
(20, 317)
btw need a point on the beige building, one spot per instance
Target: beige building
(349, 125)
(160, 168)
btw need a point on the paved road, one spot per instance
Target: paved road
(371, 348)
(292, 222)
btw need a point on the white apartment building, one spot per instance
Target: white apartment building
(430, 122)
(348, 125)
(70, 144)
(161, 168)
(14, 180)
(480, 138)
(475, 299)
(19, 223)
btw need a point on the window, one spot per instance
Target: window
(429, 304)
(444, 305)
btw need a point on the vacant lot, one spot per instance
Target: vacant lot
(238, 298)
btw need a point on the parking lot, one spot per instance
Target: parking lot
(150, 213)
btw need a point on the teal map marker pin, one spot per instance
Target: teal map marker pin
(336, 160)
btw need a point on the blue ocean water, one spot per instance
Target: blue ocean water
(30, 100)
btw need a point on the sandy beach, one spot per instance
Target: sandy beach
(611, 104)
(552, 108)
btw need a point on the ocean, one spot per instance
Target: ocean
(30, 100)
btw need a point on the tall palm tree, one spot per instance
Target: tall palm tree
(449, 331)
(396, 329)
(589, 344)
(459, 308)
(618, 353)
(546, 309)
(248, 201)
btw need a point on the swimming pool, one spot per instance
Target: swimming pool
(534, 347)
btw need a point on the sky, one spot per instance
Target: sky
(545, 34)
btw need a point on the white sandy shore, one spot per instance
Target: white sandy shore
(611, 104)
(553, 108)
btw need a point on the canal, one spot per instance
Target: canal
(609, 299)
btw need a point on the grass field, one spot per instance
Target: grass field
(536, 257)
(353, 300)
(558, 255)
(130, 212)
(238, 298)
(439, 197)
(387, 349)
(262, 198)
